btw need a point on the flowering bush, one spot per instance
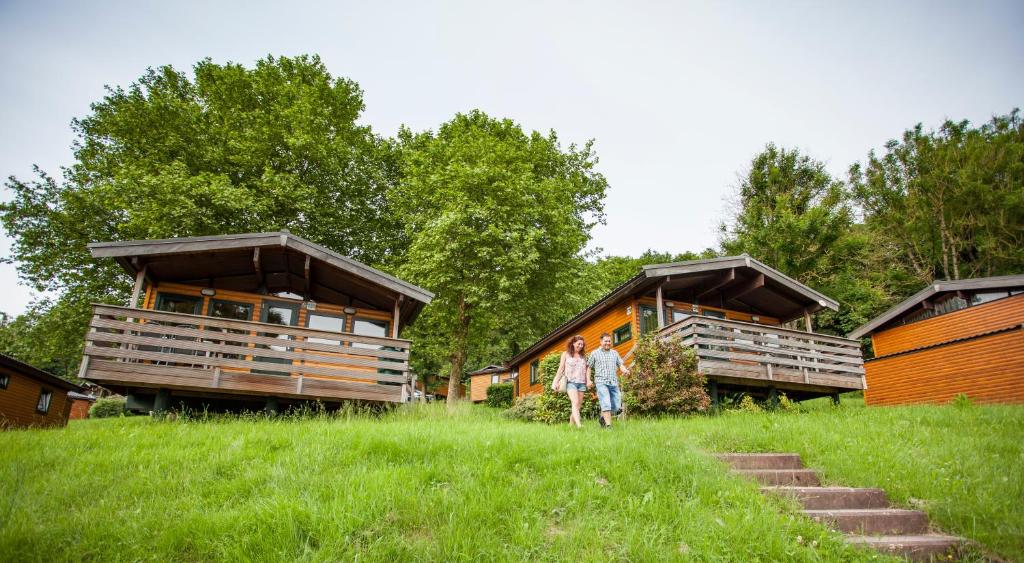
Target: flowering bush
(664, 379)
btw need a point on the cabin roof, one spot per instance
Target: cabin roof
(276, 261)
(936, 289)
(36, 373)
(493, 368)
(739, 283)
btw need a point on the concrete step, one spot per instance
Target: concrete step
(915, 548)
(774, 477)
(762, 461)
(823, 498)
(873, 521)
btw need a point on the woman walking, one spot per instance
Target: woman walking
(573, 367)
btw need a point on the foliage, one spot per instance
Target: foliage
(230, 149)
(747, 404)
(554, 407)
(500, 395)
(664, 379)
(497, 220)
(107, 407)
(962, 401)
(524, 408)
(949, 203)
(785, 404)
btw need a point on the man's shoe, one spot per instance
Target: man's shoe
(600, 420)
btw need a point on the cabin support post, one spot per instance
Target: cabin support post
(661, 306)
(271, 406)
(773, 397)
(398, 311)
(162, 401)
(807, 321)
(835, 399)
(713, 391)
(137, 289)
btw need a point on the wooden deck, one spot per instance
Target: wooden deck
(142, 348)
(749, 354)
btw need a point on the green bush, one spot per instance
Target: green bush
(664, 379)
(499, 395)
(524, 408)
(554, 407)
(106, 408)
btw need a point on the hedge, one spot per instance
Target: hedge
(500, 395)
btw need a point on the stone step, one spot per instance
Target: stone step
(823, 498)
(773, 477)
(762, 461)
(915, 548)
(873, 521)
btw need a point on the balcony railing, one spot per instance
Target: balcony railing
(146, 348)
(741, 350)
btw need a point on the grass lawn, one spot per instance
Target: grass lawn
(420, 484)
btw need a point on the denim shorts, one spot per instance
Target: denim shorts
(570, 386)
(609, 397)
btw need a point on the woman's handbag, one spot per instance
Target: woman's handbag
(558, 385)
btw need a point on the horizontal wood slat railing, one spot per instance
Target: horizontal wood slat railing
(754, 351)
(158, 348)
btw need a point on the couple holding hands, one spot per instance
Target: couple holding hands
(573, 377)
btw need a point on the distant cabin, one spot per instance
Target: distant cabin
(484, 377)
(31, 397)
(952, 337)
(80, 405)
(250, 321)
(732, 311)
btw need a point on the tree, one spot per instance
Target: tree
(497, 220)
(233, 149)
(948, 203)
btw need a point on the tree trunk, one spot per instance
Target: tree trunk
(458, 356)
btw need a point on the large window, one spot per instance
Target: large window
(369, 327)
(278, 313)
(534, 371)
(679, 314)
(5, 380)
(231, 310)
(648, 319)
(622, 334)
(43, 406)
(173, 303)
(325, 322)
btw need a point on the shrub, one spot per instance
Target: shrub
(962, 401)
(524, 408)
(106, 408)
(664, 379)
(499, 395)
(747, 404)
(554, 407)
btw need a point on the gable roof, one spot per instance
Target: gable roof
(36, 373)
(937, 288)
(493, 368)
(739, 282)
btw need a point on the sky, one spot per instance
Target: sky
(678, 96)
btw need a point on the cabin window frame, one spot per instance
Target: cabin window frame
(617, 339)
(534, 372)
(645, 308)
(286, 343)
(5, 380)
(495, 379)
(162, 295)
(45, 400)
(344, 325)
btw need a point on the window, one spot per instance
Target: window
(622, 334)
(369, 327)
(329, 323)
(712, 314)
(648, 319)
(678, 315)
(494, 379)
(985, 297)
(278, 313)
(173, 303)
(231, 310)
(43, 406)
(534, 371)
(5, 379)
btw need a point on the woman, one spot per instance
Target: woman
(573, 366)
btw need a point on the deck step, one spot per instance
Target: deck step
(824, 498)
(762, 461)
(915, 548)
(873, 521)
(775, 477)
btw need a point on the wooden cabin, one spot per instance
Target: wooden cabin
(483, 378)
(80, 405)
(250, 320)
(31, 397)
(732, 311)
(952, 337)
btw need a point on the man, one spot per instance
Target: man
(606, 363)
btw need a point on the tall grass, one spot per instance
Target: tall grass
(963, 465)
(416, 484)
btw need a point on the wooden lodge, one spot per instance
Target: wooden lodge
(732, 311)
(952, 337)
(484, 377)
(31, 397)
(258, 320)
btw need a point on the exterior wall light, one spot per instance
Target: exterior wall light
(208, 291)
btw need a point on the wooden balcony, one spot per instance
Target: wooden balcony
(749, 354)
(142, 348)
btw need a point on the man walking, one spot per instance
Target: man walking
(606, 363)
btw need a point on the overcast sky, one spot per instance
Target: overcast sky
(679, 96)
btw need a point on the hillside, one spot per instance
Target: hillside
(419, 484)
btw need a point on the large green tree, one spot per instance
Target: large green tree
(497, 221)
(948, 203)
(228, 149)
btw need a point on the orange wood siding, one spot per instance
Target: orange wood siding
(79, 409)
(18, 402)
(971, 321)
(989, 369)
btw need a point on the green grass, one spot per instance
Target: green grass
(420, 484)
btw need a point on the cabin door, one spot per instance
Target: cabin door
(278, 313)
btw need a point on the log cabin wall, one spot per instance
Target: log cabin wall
(20, 399)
